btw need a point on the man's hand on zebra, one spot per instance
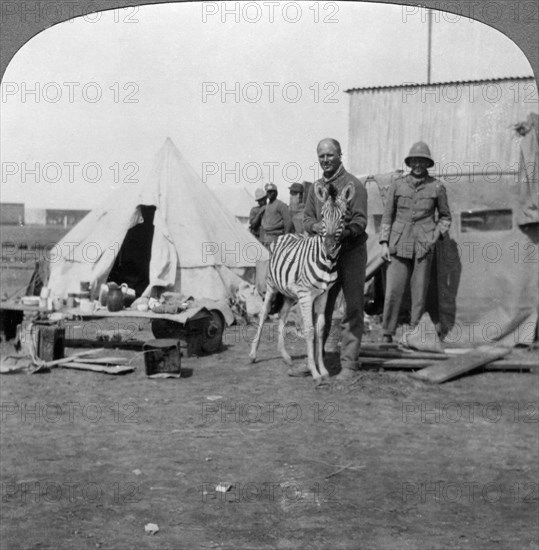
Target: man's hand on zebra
(345, 234)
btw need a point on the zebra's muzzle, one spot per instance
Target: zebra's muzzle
(332, 248)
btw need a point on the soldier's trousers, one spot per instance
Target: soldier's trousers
(351, 267)
(400, 273)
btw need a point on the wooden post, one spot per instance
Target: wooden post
(429, 46)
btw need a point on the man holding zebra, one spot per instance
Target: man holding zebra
(352, 260)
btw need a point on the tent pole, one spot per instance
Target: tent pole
(429, 46)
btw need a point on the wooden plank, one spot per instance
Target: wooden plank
(395, 363)
(70, 358)
(461, 364)
(117, 369)
(106, 360)
(416, 364)
(45, 366)
(512, 364)
(398, 354)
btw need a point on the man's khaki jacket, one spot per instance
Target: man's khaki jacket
(416, 213)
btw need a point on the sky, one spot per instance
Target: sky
(244, 95)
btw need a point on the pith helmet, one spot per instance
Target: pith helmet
(421, 150)
(270, 187)
(260, 194)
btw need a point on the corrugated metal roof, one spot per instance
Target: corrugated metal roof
(448, 83)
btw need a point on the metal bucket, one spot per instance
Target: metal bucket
(162, 356)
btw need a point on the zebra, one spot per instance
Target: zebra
(304, 269)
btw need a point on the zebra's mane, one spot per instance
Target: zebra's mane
(332, 192)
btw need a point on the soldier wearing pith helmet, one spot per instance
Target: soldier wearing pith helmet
(416, 215)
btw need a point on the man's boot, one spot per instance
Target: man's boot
(346, 374)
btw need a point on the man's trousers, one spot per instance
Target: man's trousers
(400, 273)
(351, 267)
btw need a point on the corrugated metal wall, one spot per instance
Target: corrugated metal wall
(463, 123)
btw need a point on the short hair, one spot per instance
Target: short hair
(335, 143)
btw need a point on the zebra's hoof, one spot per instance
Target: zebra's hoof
(317, 382)
(325, 377)
(252, 358)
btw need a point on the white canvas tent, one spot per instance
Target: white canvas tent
(198, 248)
(236, 200)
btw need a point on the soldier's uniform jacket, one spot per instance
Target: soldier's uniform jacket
(409, 225)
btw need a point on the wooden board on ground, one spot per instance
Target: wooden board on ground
(118, 369)
(395, 363)
(460, 364)
(512, 364)
(71, 357)
(106, 360)
(418, 364)
(400, 354)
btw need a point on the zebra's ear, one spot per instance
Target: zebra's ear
(320, 192)
(347, 194)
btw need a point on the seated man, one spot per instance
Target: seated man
(132, 265)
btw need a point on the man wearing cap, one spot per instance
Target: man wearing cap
(352, 260)
(408, 235)
(297, 206)
(276, 217)
(256, 213)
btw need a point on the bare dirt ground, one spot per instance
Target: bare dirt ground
(87, 459)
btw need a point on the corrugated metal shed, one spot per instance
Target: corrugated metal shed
(445, 83)
(467, 124)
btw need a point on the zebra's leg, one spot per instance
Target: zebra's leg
(320, 320)
(306, 306)
(283, 315)
(270, 293)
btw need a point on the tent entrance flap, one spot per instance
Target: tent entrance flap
(132, 264)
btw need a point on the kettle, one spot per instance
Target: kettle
(115, 297)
